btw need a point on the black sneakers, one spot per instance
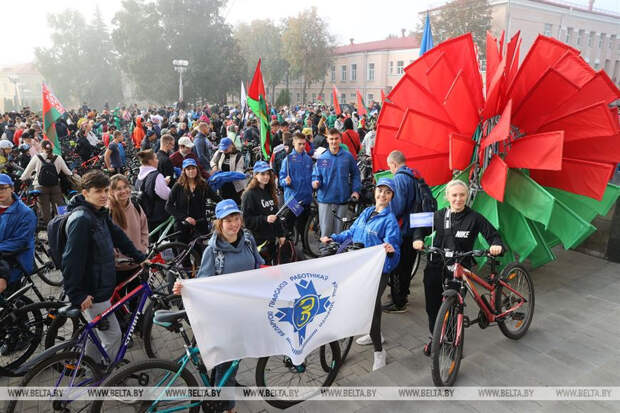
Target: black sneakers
(394, 309)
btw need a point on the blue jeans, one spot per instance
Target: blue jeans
(220, 370)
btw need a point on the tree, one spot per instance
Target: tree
(80, 63)
(307, 46)
(459, 17)
(262, 39)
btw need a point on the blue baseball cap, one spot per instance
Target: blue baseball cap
(261, 166)
(5, 180)
(225, 208)
(225, 144)
(386, 182)
(189, 162)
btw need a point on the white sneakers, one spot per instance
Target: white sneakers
(380, 360)
(366, 340)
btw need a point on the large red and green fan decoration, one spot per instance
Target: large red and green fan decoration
(537, 146)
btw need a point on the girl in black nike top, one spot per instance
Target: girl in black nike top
(456, 228)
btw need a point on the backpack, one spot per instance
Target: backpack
(57, 235)
(286, 253)
(424, 200)
(219, 255)
(48, 175)
(144, 195)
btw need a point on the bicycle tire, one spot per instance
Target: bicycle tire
(416, 265)
(312, 235)
(132, 372)
(344, 345)
(16, 330)
(508, 275)
(174, 341)
(189, 269)
(55, 334)
(44, 265)
(65, 359)
(446, 323)
(261, 368)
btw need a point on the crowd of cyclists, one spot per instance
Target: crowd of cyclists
(124, 172)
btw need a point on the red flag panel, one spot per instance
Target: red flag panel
(336, 103)
(460, 107)
(493, 58)
(604, 149)
(257, 87)
(494, 92)
(541, 151)
(434, 168)
(391, 115)
(501, 130)
(494, 178)
(595, 120)
(409, 93)
(461, 148)
(425, 131)
(577, 176)
(386, 142)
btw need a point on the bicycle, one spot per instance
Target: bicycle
(510, 305)
(68, 365)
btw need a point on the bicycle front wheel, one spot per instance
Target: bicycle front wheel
(149, 373)
(279, 371)
(516, 323)
(447, 345)
(159, 341)
(21, 330)
(312, 236)
(60, 370)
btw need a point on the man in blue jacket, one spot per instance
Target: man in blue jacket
(202, 146)
(17, 227)
(337, 180)
(402, 205)
(88, 267)
(296, 178)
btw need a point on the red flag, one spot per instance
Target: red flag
(336, 104)
(361, 108)
(257, 87)
(382, 96)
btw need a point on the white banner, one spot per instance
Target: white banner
(289, 309)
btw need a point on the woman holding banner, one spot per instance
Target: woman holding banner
(376, 225)
(231, 249)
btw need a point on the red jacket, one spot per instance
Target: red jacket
(352, 140)
(177, 161)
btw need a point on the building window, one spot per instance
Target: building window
(569, 34)
(548, 28)
(343, 72)
(343, 98)
(333, 73)
(400, 67)
(591, 39)
(611, 41)
(353, 71)
(369, 98)
(601, 40)
(353, 97)
(580, 37)
(298, 97)
(371, 71)
(391, 68)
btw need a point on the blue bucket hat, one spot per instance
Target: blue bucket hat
(386, 182)
(189, 162)
(261, 166)
(225, 144)
(225, 208)
(5, 180)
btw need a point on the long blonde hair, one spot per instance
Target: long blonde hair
(116, 209)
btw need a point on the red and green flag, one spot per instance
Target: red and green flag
(52, 111)
(361, 108)
(257, 101)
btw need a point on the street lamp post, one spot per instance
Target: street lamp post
(181, 67)
(16, 82)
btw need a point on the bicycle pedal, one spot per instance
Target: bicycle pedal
(466, 322)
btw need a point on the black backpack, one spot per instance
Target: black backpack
(144, 195)
(48, 175)
(57, 235)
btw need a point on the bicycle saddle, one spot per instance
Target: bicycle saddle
(167, 316)
(34, 192)
(70, 311)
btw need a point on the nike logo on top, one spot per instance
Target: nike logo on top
(462, 234)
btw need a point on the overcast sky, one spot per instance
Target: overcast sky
(24, 24)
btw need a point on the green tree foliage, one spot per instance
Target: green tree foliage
(262, 39)
(80, 64)
(284, 98)
(307, 47)
(459, 17)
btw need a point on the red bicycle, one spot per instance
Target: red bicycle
(508, 302)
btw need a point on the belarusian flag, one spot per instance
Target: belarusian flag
(335, 98)
(52, 111)
(382, 97)
(361, 108)
(257, 101)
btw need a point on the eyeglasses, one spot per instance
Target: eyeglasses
(5, 188)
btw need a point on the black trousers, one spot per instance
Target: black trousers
(375, 326)
(433, 290)
(400, 277)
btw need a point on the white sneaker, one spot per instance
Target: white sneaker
(366, 340)
(380, 360)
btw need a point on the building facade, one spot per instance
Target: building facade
(20, 85)
(368, 67)
(595, 33)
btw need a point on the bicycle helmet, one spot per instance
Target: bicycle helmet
(4, 144)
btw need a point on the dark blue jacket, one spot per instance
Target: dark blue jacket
(299, 168)
(88, 266)
(201, 147)
(404, 199)
(338, 177)
(381, 228)
(17, 226)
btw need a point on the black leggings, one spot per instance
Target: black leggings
(433, 290)
(400, 278)
(375, 326)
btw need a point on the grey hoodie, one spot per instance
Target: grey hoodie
(243, 257)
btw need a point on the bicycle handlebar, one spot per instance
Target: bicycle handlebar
(446, 253)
